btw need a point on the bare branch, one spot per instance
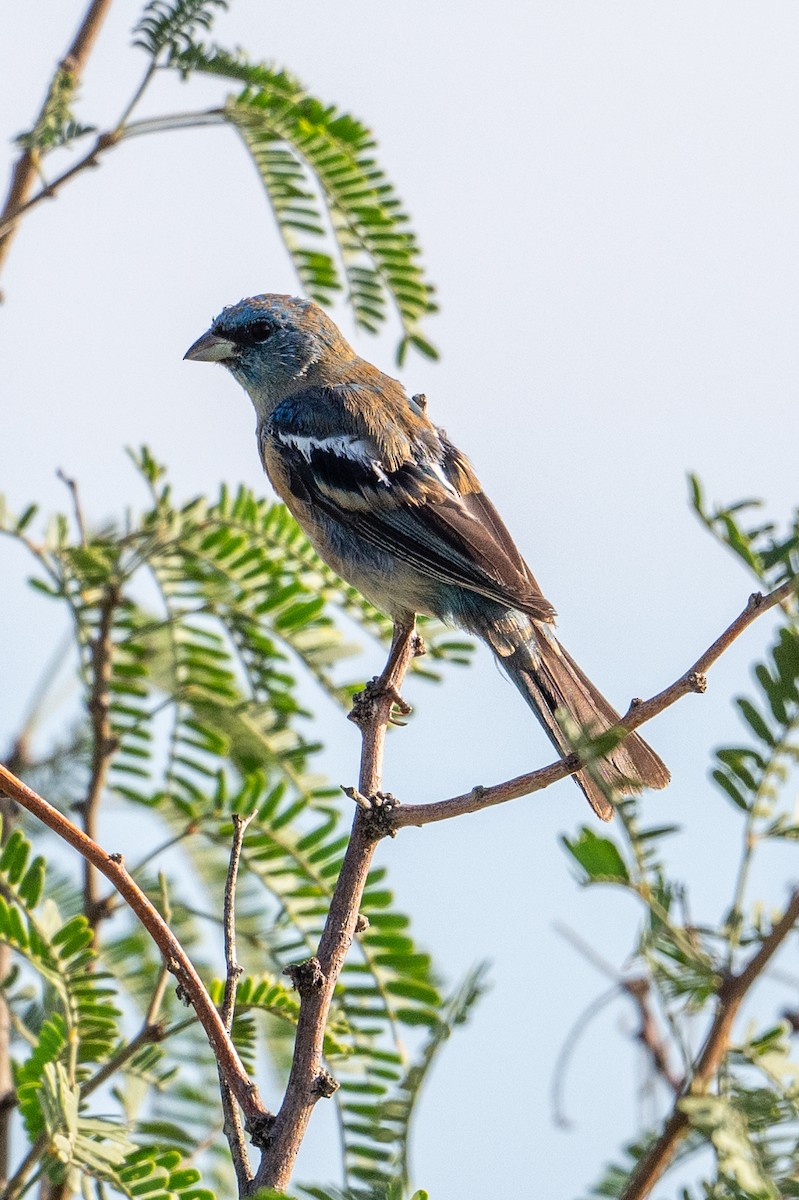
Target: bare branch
(175, 958)
(232, 1121)
(648, 1033)
(104, 745)
(308, 1080)
(71, 484)
(7, 1093)
(731, 995)
(25, 171)
(639, 712)
(11, 214)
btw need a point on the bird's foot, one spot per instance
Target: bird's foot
(364, 703)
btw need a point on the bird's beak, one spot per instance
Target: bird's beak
(210, 348)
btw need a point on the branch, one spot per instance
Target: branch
(25, 171)
(232, 1121)
(316, 979)
(637, 988)
(639, 712)
(7, 1093)
(104, 745)
(10, 215)
(72, 487)
(175, 958)
(731, 995)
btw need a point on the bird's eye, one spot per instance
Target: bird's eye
(254, 333)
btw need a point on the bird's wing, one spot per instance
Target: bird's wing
(419, 501)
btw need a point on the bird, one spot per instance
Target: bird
(395, 508)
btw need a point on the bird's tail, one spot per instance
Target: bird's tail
(550, 680)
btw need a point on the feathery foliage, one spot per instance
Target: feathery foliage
(193, 625)
(337, 211)
(750, 1118)
(170, 27)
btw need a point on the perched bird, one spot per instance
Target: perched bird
(396, 509)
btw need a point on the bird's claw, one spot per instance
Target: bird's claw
(377, 689)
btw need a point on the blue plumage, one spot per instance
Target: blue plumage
(397, 510)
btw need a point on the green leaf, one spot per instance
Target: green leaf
(338, 213)
(599, 858)
(165, 26)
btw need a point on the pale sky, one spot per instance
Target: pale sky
(607, 196)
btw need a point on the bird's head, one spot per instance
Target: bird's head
(273, 345)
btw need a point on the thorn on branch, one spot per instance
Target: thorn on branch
(307, 977)
(362, 801)
(361, 923)
(418, 648)
(117, 858)
(324, 1085)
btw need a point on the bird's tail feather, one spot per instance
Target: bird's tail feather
(550, 680)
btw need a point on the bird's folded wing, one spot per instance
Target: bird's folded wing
(420, 510)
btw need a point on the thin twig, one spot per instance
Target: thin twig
(731, 995)
(9, 218)
(175, 958)
(648, 1034)
(7, 1093)
(639, 712)
(152, 1031)
(17, 1182)
(104, 744)
(638, 988)
(25, 172)
(76, 505)
(316, 979)
(149, 1034)
(232, 1127)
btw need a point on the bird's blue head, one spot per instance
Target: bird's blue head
(273, 345)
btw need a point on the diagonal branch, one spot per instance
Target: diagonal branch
(731, 995)
(316, 979)
(175, 958)
(639, 712)
(25, 172)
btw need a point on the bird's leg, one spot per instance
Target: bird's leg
(403, 648)
(405, 644)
